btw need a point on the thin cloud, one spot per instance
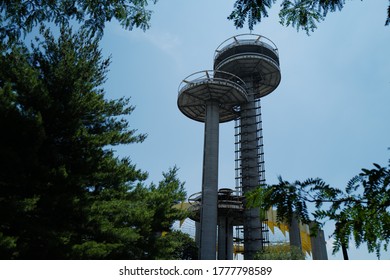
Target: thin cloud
(166, 42)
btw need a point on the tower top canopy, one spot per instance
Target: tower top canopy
(253, 58)
(245, 43)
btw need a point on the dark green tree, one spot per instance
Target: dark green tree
(55, 156)
(302, 14)
(135, 224)
(64, 194)
(177, 245)
(158, 212)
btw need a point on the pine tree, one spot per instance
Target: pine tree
(56, 160)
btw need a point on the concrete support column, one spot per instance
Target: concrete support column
(222, 241)
(197, 236)
(209, 210)
(318, 246)
(229, 239)
(225, 238)
(295, 234)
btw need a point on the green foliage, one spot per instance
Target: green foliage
(388, 15)
(363, 213)
(130, 224)
(63, 192)
(290, 199)
(168, 193)
(280, 252)
(57, 126)
(18, 17)
(302, 14)
(155, 207)
(7, 246)
(177, 245)
(253, 10)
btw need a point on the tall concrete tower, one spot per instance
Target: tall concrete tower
(255, 60)
(246, 68)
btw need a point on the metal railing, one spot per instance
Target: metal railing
(206, 76)
(246, 39)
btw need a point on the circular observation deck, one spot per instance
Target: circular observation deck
(229, 205)
(207, 86)
(253, 58)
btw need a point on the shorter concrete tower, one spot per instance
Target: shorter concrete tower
(210, 97)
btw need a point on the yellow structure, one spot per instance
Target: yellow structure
(272, 223)
(304, 230)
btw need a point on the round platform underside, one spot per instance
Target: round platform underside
(194, 96)
(260, 69)
(230, 209)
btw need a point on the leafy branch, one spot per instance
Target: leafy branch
(19, 17)
(360, 212)
(301, 14)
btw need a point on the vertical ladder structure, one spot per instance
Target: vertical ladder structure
(259, 153)
(254, 154)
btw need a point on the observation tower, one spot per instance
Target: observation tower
(246, 68)
(210, 97)
(255, 59)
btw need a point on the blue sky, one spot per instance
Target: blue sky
(328, 118)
